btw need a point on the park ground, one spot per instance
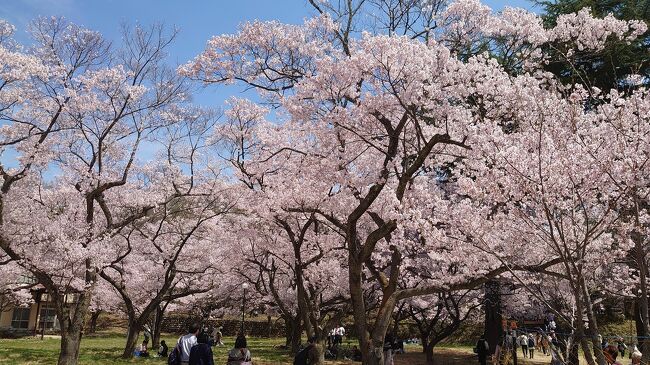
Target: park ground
(105, 349)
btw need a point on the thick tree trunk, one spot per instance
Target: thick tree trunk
(593, 331)
(131, 340)
(93, 322)
(72, 317)
(296, 334)
(157, 326)
(136, 324)
(643, 325)
(493, 319)
(288, 332)
(428, 351)
(573, 357)
(319, 348)
(371, 351)
(70, 343)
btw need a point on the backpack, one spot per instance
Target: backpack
(302, 357)
(174, 357)
(531, 342)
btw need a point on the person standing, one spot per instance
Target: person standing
(147, 333)
(218, 336)
(621, 347)
(185, 343)
(201, 353)
(340, 332)
(523, 342)
(636, 356)
(610, 353)
(482, 350)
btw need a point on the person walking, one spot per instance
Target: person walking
(523, 342)
(239, 355)
(531, 345)
(185, 343)
(201, 353)
(482, 350)
(545, 345)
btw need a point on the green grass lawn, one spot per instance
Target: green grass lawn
(107, 349)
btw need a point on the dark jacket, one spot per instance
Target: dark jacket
(201, 354)
(482, 348)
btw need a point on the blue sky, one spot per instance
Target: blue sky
(198, 20)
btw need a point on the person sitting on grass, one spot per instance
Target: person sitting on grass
(308, 355)
(143, 349)
(239, 355)
(201, 353)
(356, 354)
(163, 349)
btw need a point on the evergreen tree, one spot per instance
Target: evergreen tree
(618, 61)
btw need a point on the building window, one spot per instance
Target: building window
(47, 318)
(20, 318)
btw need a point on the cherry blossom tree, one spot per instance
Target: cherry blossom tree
(15, 286)
(172, 254)
(383, 116)
(550, 187)
(76, 114)
(436, 318)
(285, 246)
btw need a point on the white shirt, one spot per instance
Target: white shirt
(523, 340)
(340, 331)
(185, 344)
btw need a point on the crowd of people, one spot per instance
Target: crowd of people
(549, 345)
(615, 350)
(195, 348)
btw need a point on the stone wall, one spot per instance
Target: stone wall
(230, 327)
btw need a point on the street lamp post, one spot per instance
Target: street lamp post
(243, 306)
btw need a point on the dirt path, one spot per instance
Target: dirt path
(462, 356)
(458, 357)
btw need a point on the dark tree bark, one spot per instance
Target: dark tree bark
(493, 318)
(92, 328)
